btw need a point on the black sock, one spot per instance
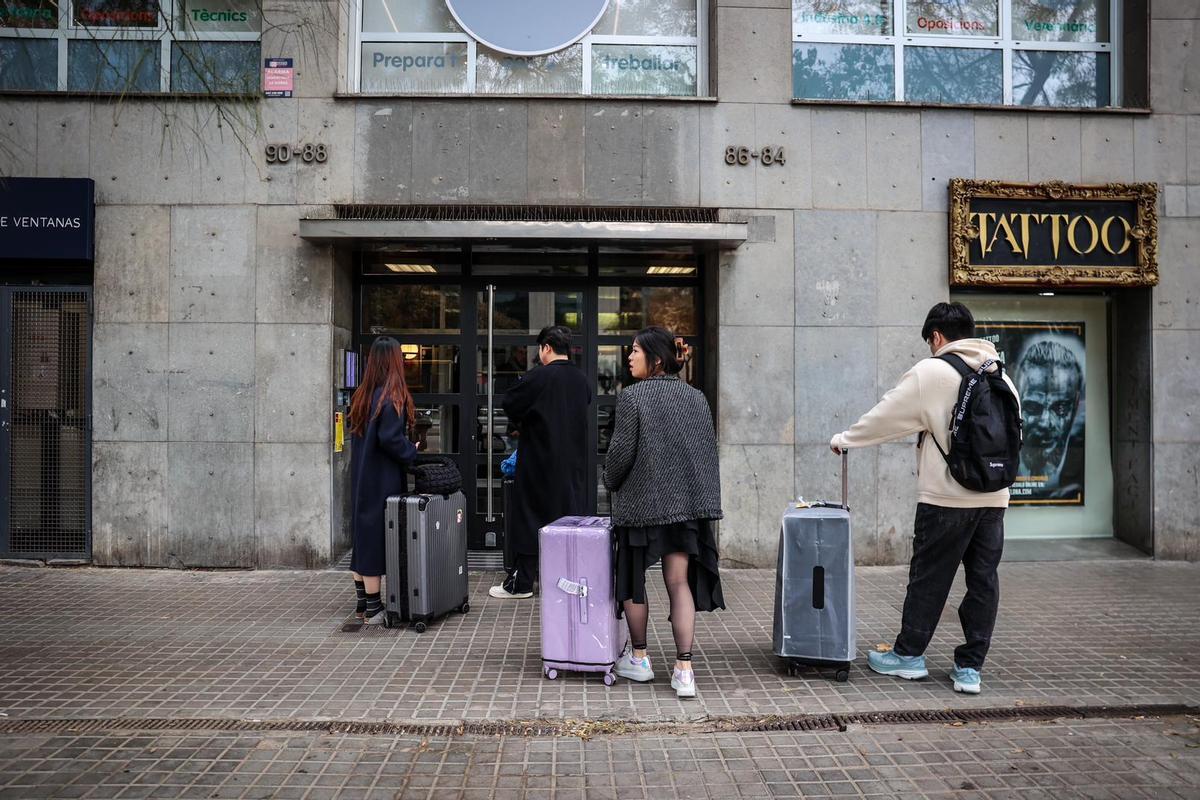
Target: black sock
(360, 589)
(374, 604)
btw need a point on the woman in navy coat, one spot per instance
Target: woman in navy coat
(381, 422)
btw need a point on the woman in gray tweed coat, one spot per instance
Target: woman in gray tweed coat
(662, 471)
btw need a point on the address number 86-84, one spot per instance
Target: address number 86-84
(308, 153)
(741, 156)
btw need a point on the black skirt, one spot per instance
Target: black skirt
(640, 548)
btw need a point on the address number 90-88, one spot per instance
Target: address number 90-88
(308, 153)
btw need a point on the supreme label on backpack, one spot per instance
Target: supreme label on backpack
(985, 430)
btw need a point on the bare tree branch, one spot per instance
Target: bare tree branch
(225, 94)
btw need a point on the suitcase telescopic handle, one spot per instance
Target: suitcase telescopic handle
(579, 589)
(845, 482)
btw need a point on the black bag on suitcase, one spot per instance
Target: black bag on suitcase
(436, 475)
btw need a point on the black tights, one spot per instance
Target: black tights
(683, 606)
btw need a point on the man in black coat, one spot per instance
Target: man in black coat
(551, 408)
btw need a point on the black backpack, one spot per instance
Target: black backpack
(985, 428)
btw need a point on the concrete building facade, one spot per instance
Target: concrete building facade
(217, 326)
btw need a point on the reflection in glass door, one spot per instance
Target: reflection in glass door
(468, 319)
(623, 310)
(509, 320)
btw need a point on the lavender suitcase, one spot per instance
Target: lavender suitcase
(579, 620)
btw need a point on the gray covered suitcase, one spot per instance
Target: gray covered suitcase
(426, 554)
(814, 587)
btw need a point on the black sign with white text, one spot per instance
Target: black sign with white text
(47, 219)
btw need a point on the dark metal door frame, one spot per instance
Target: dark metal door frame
(469, 340)
(10, 410)
(473, 287)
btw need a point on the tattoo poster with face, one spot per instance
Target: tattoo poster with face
(1047, 362)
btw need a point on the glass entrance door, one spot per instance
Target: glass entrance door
(468, 319)
(510, 316)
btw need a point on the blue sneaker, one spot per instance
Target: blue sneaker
(966, 679)
(911, 668)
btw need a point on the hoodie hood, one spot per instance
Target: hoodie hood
(973, 351)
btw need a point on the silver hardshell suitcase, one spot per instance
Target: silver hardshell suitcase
(814, 587)
(426, 553)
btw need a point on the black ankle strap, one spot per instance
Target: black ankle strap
(634, 646)
(683, 657)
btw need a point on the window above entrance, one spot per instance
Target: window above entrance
(637, 47)
(131, 46)
(1037, 53)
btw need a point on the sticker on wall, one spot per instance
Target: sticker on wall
(278, 77)
(1048, 363)
(527, 27)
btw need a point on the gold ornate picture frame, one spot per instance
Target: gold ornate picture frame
(1053, 234)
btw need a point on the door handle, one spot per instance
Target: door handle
(491, 397)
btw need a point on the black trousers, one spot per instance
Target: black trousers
(945, 538)
(524, 573)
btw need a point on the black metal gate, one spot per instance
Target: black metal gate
(45, 422)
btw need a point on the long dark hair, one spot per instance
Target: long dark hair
(385, 369)
(665, 352)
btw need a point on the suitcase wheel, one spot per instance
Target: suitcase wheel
(464, 608)
(420, 627)
(550, 673)
(389, 619)
(842, 675)
(609, 679)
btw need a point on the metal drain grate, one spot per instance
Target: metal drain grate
(57, 726)
(479, 213)
(594, 728)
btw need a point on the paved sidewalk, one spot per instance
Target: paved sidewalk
(94, 643)
(1096, 759)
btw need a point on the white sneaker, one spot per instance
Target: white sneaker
(684, 683)
(634, 669)
(377, 619)
(500, 593)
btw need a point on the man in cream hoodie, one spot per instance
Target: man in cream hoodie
(954, 525)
